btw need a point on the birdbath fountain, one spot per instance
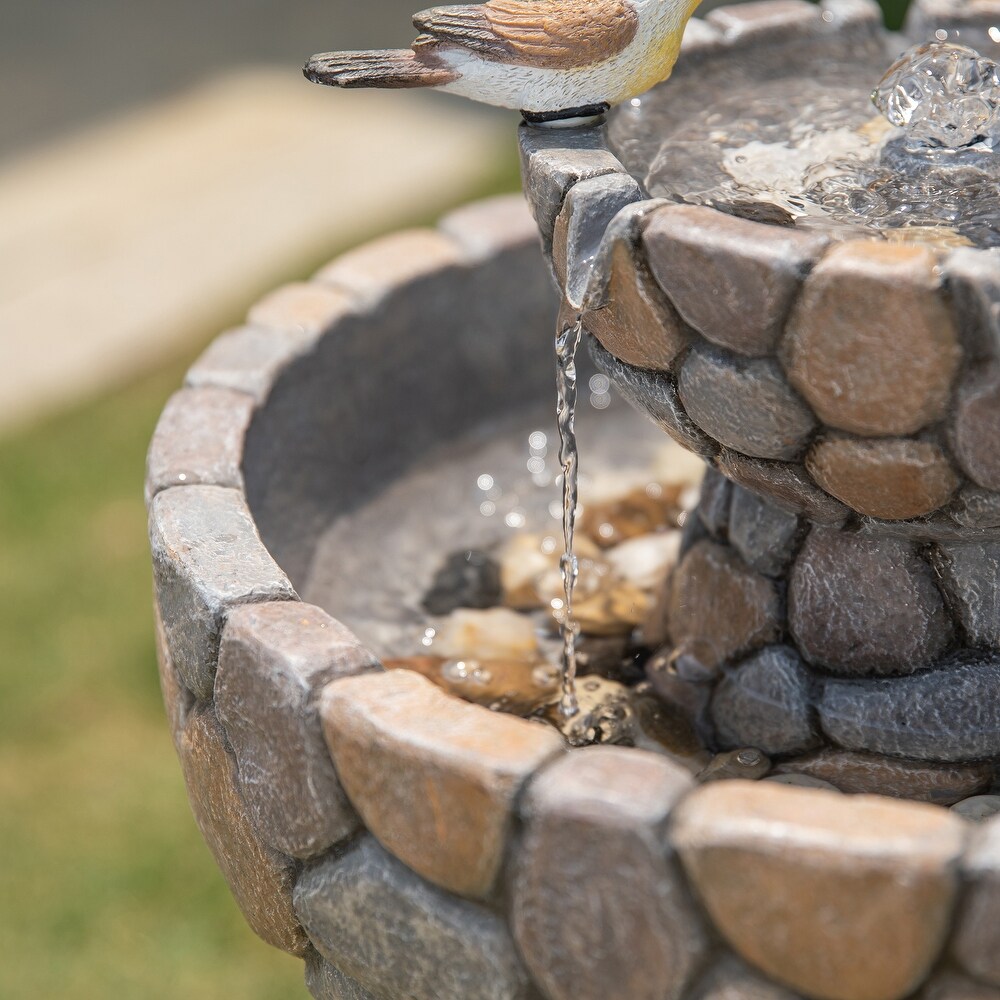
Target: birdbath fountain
(800, 298)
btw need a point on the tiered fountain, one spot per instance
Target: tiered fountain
(800, 293)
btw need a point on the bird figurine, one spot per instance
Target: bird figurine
(559, 62)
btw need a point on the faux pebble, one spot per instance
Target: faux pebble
(977, 429)
(970, 574)
(761, 532)
(746, 404)
(641, 511)
(951, 713)
(326, 982)
(976, 942)
(645, 560)
(467, 579)
(977, 807)
(871, 343)
(714, 503)
(746, 764)
(605, 714)
(865, 606)
(888, 478)
(764, 702)
(731, 979)
(494, 634)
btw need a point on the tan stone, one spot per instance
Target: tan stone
(869, 773)
(638, 324)
(486, 634)
(434, 779)
(976, 944)
(890, 478)
(839, 898)
(719, 603)
(646, 509)
(302, 307)
(871, 343)
(374, 269)
(485, 228)
(260, 879)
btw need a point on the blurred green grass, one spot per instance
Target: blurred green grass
(106, 888)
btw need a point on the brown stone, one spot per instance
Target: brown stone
(599, 907)
(865, 606)
(976, 430)
(976, 943)
(890, 478)
(718, 601)
(274, 660)
(434, 778)
(375, 269)
(787, 484)
(746, 764)
(731, 279)
(745, 403)
(638, 324)
(199, 439)
(260, 879)
(873, 774)
(842, 898)
(303, 307)
(639, 512)
(871, 343)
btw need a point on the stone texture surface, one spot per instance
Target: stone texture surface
(484, 228)
(762, 533)
(207, 559)
(304, 306)
(434, 778)
(599, 908)
(248, 359)
(398, 936)
(274, 661)
(714, 503)
(890, 478)
(952, 986)
(638, 324)
(381, 266)
(748, 764)
(731, 979)
(976, 944)
(765, 703)
(873, 774)
(977, 808)
(655, 393)
(951, 713)
(975, 507)
(860, 605)
(731, 279)
(746, 404)
(976, 429)
(177, 700)
(785, 19)
(326, 982)
(970, 576)
(786, 483)
(818, 890)
(716, 600)
(871, 343)
(199, 439)
(260, 879)
(974, 282)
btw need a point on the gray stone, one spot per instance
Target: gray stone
(731, 979)
(177, 700)
(714, 503)
(976, 943)
(800, 781)
(970, 576)
(762, 533)
(248, 359)
(786, 20)
(207, 559)
(745, 403)
(975, 507)
(973, 278)
(787, 484)
(466, 579)
(656, 394)
(976, 429)
(951, 713)
(398, 936)
(599, 907)
(764, 702)
(552, 162)
(859, 605)
(326, 982)
(274, 661)
(260, 879)
(731, 279)
(977, 808)
(199, 439)
(952, 986)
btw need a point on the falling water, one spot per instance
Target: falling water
(568, 332)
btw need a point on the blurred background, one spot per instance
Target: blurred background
(161, 166)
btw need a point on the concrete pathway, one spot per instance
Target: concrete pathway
(119, 245)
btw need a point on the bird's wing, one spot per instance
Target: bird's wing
(560, 34)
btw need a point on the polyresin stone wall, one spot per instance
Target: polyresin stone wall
(408, 844)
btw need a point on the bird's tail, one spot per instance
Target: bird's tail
(377, 68)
